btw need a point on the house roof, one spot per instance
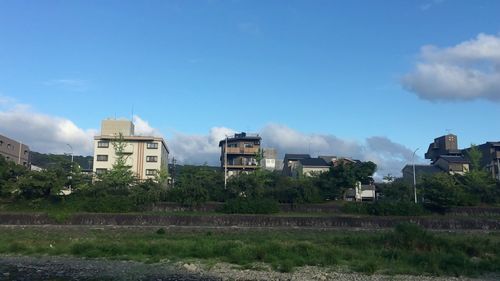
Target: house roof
(241, 137)
(422, 169)
(296, 156)
(454, 159)
(314, 162)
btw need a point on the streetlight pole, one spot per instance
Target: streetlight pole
(414, 176)
(71, 168)
(225, 164)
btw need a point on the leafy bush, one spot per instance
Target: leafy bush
(249, 206)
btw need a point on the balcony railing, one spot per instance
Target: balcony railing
(242, 150)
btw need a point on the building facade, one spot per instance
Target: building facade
(145, 155)
(268, 161)
(15, 151)
(309, 167)
(490, 157)
(239, 153)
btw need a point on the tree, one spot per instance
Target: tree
(33, 184)
(397, 191)
(120, 178)
(9, 175)
(475, 155)
(442, 190)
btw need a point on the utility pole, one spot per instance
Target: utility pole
(20, 148)
(70, 177)
(414, 176)
(173, 172)
(225, 164)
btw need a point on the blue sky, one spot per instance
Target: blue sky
(347, 69)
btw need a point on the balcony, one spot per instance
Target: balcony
(242, 150)
(243, 167)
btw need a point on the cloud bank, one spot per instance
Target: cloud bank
(467, 71)
(388, 155)
(45, 133)
(51, 134)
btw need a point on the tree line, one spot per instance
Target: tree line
(256, 192)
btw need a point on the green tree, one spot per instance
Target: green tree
(479, 186)
(442, 190)
(120, 178)
(397, 191)
(44, 184)
(475, 155)
(9, 175)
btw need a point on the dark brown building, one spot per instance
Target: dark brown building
(490, 159)
(444, 145)
(242, 153)
(15, 151)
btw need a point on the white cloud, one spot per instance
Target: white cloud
(142, 128)
(198, 149)
(45, 133)
(389, 156)
(51, 134)
(467, 71)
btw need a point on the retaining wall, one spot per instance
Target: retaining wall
(443, 223)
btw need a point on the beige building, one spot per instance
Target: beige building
(145, 155)
(15, 151)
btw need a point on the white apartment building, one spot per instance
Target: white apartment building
(145, 155)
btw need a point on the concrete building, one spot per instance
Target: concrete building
(146, 155)
(268, 161)
(15, 151)
(445, 158)
(490, 160)
(239, 153)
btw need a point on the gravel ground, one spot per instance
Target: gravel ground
(22, 268)
(230, 272)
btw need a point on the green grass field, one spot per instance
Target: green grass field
(405, 250)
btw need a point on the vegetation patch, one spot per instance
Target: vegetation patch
(408, 249)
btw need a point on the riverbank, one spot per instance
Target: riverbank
(25, 268)
(407, 249)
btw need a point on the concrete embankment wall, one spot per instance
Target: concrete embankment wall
(442, 223)
(316, 208)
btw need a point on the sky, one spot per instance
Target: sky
(372, 80)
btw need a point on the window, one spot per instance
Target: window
(248, 145)
(25, 152)
(100, 171)
(150, 172)
(1, 142)
(151, 158)
(9, 146)
(152, 145)
(232, 145)
(102, 157)
(103, 144)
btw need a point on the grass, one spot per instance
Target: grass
(405, 250)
